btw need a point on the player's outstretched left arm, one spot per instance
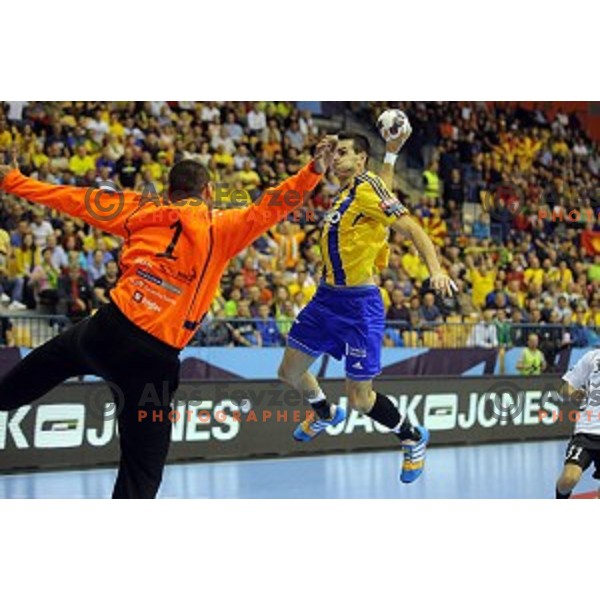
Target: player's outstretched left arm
(104, 209)
(439, 280)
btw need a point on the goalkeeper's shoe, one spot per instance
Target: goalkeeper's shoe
(414, 456)
(310, 428)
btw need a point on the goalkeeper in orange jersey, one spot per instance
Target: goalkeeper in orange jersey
(174, 253)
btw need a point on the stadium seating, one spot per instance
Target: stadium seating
(483, 154)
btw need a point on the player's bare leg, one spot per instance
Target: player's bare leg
(294, 371)
(567, 481)
(361, 396)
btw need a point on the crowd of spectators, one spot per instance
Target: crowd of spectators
(52, 263)
(510, 198)
(495, 179)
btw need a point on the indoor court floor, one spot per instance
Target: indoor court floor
(511, 470)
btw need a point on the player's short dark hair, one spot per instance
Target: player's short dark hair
(360, 143)
(187, 179)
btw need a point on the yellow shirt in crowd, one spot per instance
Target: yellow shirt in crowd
(535, 276)
(482, 285)
(308, 291)
(414, 266)
(80, 166)
(5, 139)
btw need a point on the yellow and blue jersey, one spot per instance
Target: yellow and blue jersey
(354, 243)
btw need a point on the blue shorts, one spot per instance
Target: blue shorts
(347, 321)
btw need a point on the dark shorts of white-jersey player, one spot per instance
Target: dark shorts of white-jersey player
(582, 387)
(306, 339)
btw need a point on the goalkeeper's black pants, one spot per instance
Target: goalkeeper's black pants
(112, 347)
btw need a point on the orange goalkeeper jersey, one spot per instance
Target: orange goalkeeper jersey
(173, 255)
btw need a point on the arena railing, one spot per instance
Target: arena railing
(31, 330)
(219, 332)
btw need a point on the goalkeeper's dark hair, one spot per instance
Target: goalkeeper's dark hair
(187, 179)
(360, 143)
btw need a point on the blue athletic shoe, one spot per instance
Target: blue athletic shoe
(310, 428)
(414, 457)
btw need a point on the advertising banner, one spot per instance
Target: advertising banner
(75, 426)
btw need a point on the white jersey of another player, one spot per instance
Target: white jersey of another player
(585, 375)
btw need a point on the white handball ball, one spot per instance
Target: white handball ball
(245, 406)
(393, 123)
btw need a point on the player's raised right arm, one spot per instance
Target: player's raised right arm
(392, 149)
(104, 209)
(238, 228)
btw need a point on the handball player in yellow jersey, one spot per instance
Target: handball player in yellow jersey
(346, 317)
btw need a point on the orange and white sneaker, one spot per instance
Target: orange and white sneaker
(414, 456)
(310, 428)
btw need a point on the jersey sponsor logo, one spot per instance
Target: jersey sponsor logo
(332, 217)
(592, 398)
(149, 304)
(149, 276)
(152, 292)
(179, 275)
(392, 207)
(158, 281)
(358, 352)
